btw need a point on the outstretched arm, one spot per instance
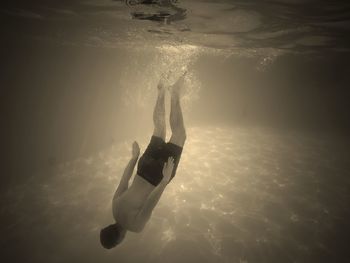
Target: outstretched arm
(152, 200)
(124, 182)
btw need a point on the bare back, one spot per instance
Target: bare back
(127, 205)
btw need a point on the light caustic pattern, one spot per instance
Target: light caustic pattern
(239, 195)
(141, 76)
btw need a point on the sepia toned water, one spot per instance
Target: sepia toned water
(264, 174)
(240, 195)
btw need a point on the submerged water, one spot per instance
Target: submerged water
(240, 195)
(264, 175)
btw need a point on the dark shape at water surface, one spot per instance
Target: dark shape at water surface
(149, 2)
(159, 16)
(170, 12)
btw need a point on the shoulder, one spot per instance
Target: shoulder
(138, 225)
(141, 219)
(115, 207)
(116, 200)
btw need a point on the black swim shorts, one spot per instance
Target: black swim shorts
(151, 163)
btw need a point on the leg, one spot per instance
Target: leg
(178, 136)
(159, 114)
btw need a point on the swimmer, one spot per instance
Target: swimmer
(132, 205)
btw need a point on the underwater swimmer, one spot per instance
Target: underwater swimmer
(132, 206)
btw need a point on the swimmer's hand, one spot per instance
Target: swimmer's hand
(168, 169)
(135, 150)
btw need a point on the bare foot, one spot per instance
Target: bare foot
(177, 87)
(162, 86)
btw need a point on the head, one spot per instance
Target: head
(112, 235)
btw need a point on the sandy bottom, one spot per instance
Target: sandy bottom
(240, 195)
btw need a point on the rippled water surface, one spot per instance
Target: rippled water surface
(282, 24)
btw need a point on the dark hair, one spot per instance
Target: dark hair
(110, 236)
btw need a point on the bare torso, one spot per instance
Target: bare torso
(127, 206)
